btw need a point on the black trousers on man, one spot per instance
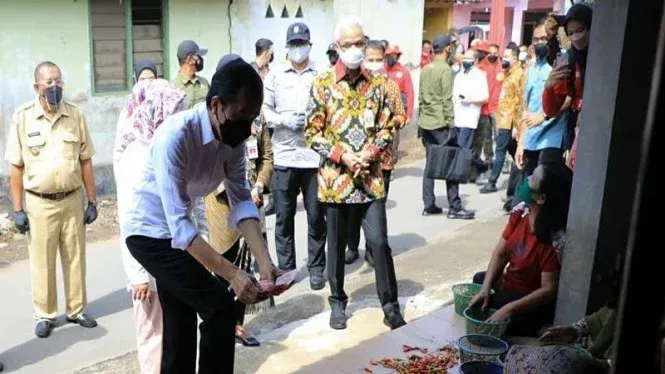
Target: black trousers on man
(287, 184)
(186, 288)
(375, 227)
(356, 223)
(440, 136)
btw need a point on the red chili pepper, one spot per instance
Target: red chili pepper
(368, 370)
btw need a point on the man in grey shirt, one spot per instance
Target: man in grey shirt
(286, 95)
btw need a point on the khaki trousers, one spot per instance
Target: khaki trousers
(56, 225)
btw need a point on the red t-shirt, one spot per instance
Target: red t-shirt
(527, 257)
(494, 83)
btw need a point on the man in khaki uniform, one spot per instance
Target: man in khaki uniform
(50, 152)
(190, 57)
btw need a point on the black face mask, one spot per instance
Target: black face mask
(467, 65)
(333, 57)
(492, 58)
(542, 50)
(199, 64)
(235, 132)
(272, 57)
(53, 95)
(391, 60)
(505, 64)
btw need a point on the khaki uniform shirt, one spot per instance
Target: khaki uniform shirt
(196, 89)
(50, 151)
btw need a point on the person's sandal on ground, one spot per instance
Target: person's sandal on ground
(244, 338)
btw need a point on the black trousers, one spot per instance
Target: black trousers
(288, 183)
(524, 325)
(186, 288)
(438, 137)
(354, 234)
(374, 224)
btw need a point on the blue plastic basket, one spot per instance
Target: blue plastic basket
(478, 347)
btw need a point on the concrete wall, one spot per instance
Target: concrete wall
(249, 23)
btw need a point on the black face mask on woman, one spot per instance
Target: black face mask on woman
(391, 60)
(333, 57)
(233, 132)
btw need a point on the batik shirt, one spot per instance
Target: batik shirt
(345, 116)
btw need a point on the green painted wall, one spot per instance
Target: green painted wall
(204, 21)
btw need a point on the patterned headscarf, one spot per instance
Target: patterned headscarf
(151, 102)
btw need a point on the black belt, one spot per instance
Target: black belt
(52, 196)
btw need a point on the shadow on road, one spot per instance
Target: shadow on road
(406, 288)
(410, 171)
(113, 303)
(36, 350)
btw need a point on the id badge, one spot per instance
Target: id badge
(252, 146)
(368, 119)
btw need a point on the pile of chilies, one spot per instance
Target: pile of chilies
(420, 361)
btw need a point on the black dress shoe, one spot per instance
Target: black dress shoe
(351, 256)
(84, 321)
(43, 328)
(337, 317)
(316, 282)
(369, 258)
(489, 188)
(431, 210)
(461, 214)
(394, 321)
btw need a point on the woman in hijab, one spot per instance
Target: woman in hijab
(150, 103)
(567, 80)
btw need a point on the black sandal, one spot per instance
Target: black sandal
(249, 341)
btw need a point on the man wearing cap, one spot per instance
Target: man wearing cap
(436, 121)
(50, 151)
(332, 54)
(190, 58)
(402, 76)
(286, 96)
(488, 61)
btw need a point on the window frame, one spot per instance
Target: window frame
(129, 47)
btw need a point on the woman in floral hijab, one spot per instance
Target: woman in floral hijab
(151, 103)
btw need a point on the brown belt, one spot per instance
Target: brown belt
(52, 196)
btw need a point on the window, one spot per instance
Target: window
(124, 33)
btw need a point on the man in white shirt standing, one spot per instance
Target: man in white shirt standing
(469, 94)
(296, 166)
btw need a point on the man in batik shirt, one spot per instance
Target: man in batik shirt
(349, 123)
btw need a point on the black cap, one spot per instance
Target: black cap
(297, 31)
(144, 65)
(331, 48)
(226, 59)
(440, 42)
(190, 48)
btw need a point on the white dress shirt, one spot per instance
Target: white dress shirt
(287, 92)
(186, 162)
(473, 86)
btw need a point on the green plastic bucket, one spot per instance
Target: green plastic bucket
(462, 294)
(475, 323)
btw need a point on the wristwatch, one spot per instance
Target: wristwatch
(93, 203)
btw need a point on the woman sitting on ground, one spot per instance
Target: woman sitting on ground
(525, 292)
